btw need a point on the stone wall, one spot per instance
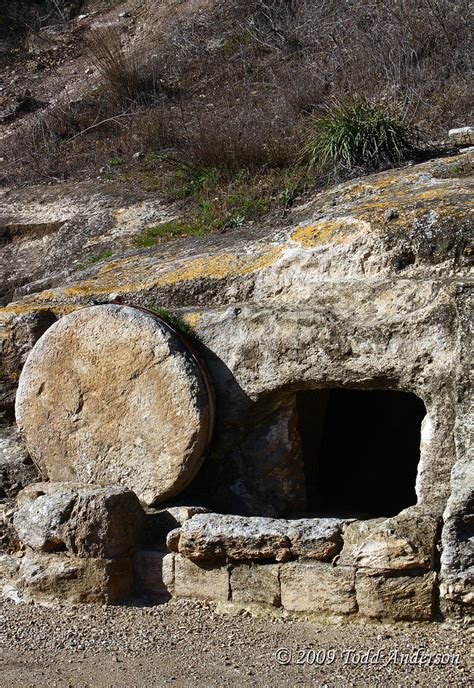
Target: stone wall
(78, 543)
(378, 570)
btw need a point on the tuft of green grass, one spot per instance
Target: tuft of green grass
(166, 231)
(115, 162)
(358, 134)
(95, 259)
(214, 203)
(463, 168)
(171, 318)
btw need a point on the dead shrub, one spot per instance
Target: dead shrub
(231, 140)
(125, 74)
(50, 143)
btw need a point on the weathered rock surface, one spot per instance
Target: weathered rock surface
(160, 522)
(56, 578)
(463, 136)
(9, 541)
(9, 567)
(17, 470)
(318, 588)
(111, 395)
(398, 597)
(86, 521)
(406, 541)
(217, 536)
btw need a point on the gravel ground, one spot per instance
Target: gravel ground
(191, 644)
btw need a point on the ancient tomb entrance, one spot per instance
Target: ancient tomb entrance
(360, 450)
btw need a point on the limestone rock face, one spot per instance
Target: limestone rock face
(365, 286)
(154, 572)
(86, 521)
(111, 395)
(17, 470)
(256, 584)
(463, 136)
(406, 541)
(216, 536)
(202, 580)
(159, 522)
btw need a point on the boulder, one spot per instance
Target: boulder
(88, 521)
(318, 588)
(462, 136)
(112, 395)
(229, 537)
(406, 541)
(396, 597)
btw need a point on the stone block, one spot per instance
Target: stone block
(318, 588)
(201, 580)
(86, 520)
(237, 538)
(154, 572)
(406, 541)
(258, 583)
(395, 597)
(59, 577)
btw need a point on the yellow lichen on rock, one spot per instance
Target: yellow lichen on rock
(138, 277)
(192, 319)
(337, 230)
(133, 274)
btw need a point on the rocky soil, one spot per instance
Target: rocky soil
(193, 644)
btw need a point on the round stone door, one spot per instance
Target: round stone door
(112, 394)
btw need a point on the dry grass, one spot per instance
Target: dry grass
(245, 102)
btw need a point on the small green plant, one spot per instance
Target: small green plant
(115, 162)
(171, 318)
(91, 260)
(358, 134)
(167, 231)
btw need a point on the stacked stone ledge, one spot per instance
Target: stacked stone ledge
(381, 569)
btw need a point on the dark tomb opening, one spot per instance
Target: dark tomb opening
(360, 450)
